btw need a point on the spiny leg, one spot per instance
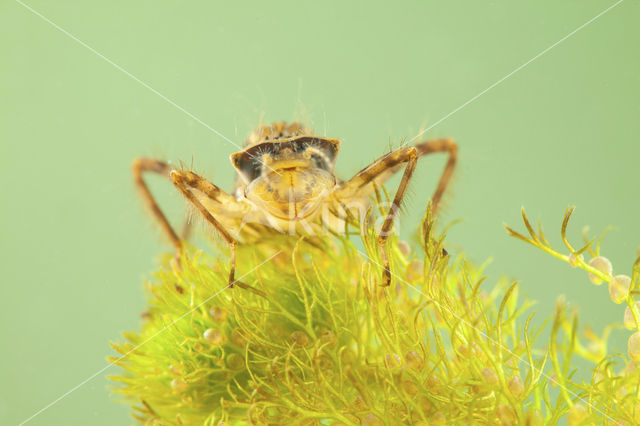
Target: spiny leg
(410, 156)
(139, 167)
(185, 181)
(440, 145)
(360, 186)
(446, 145)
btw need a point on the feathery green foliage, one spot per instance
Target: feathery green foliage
(309, 336)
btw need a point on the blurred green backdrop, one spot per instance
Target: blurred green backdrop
(75, 242)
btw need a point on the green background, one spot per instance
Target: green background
(75, 242)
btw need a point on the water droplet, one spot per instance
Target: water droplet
(217, 314)
(490, 376)
(576, 414)
(633, 346)
(573, 260)
(603, 265)
(371, 420)
(329, 339)
(359, 404)
(414, 270)
(299, 338)
(516, 387)
(237, 337)
(176, 369)
(178, 385)
(235, 362)
(629, 321)
(404, 248)
(506, 415)
(619, 288)
(410, 388)
(439, 419)
(393, 360)
(534, 418)
(213, 336)
(414, 360)
(433, 382)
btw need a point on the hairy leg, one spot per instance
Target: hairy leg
(361, 185)
(185, 181)
(141, 166)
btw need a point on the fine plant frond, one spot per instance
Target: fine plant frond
(310, 337)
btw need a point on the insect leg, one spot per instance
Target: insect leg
(139, 167)
(446, 145)
(185, 181)
(361, 185)
(410, 155)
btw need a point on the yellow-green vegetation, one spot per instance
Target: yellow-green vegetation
(309, 336)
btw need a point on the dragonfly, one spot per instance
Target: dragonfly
(286, 181)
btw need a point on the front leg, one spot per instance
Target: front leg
(354, 189)
(144, 165)
(448, 146)
(186, 181)
(411, 157)
(362, 184)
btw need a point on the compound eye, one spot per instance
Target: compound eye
(319, 161)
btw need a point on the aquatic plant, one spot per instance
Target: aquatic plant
(309, 336)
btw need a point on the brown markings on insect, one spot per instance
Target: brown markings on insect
(286, 183)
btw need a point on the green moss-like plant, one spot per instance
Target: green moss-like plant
(309, 336)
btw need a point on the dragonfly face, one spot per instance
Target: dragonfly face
(289, 178)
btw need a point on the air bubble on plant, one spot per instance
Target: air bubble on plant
(178, 385)
(414, 360)
(603, 265)
(490, 377)
(577, 414)
(213, 336)
(619, 288)
(217, 314)
(575, 260)
(299, 338)
(633, 346)
(629, 320)
(515, 386)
